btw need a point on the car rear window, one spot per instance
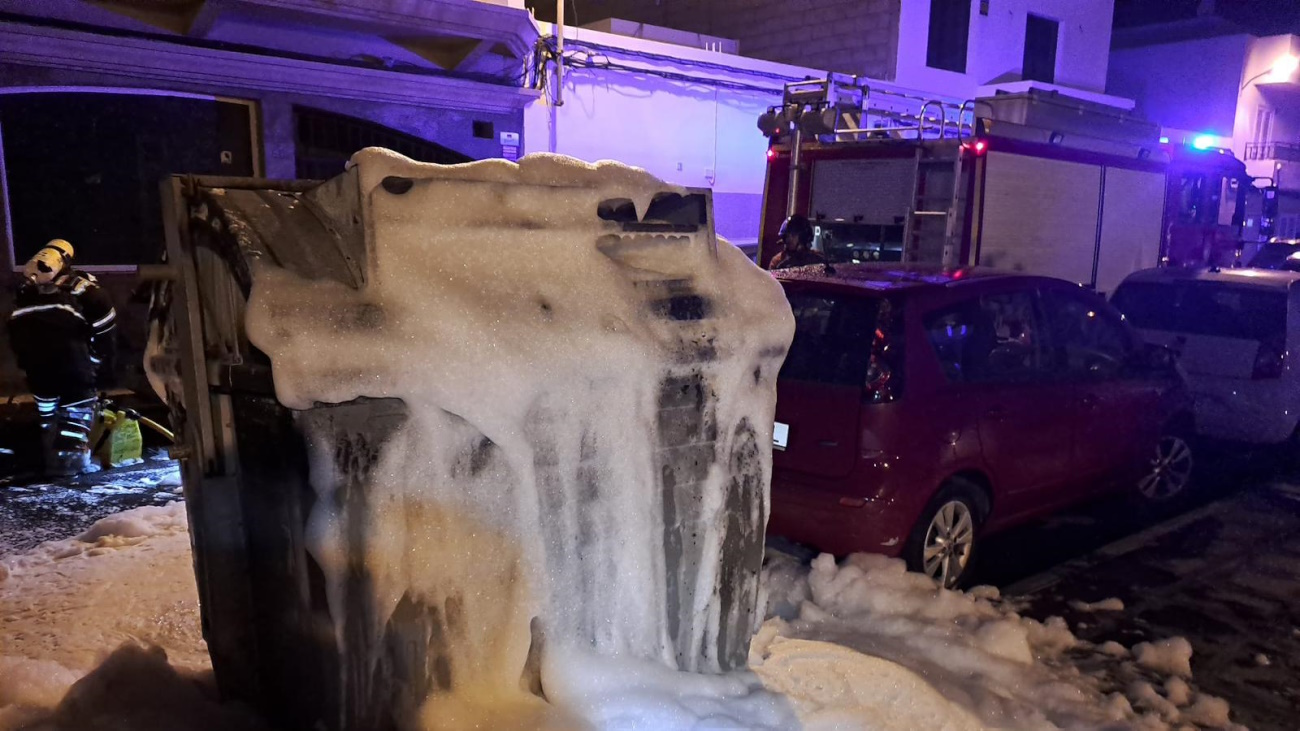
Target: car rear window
(832, 338)
(1219, 309)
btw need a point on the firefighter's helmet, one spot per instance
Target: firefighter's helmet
(799, 227)
(53, 260)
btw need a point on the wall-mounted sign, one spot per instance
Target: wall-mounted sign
(510, 145)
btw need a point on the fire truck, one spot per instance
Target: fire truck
(1034, 181)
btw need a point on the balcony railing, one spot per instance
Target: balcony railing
(1286, 151)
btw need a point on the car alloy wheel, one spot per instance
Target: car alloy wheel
(1171, 469)
(949, 542)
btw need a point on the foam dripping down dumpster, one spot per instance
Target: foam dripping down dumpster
(443, 424)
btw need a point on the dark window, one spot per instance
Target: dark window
(1040, 49)
(1085, 338)
(1205, 308)
(995, 339)
(326, 141)
(857, 242)
(484, 130)
(86, 167)
(952, 334)
(1200, 197)
(949, 35)
(832, 339)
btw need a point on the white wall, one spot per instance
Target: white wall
(996, 47)
(694, 133)
(691, 134)
(1261, 54)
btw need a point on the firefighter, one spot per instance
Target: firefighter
(62, 332)
(796, 237)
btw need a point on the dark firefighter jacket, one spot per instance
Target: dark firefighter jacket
(800, 258)
(64, 339)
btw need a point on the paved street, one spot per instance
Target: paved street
(33, 511)
(1225, 575)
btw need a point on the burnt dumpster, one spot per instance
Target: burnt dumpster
(441, 423)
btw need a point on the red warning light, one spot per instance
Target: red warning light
(980, 146)
(771, 154)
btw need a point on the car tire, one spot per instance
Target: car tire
(942, 543)
(1170, 469)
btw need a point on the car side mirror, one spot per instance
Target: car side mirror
(1153, 358)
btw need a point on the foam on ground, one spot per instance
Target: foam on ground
(875, 631)
(68, 604)
(859, 659)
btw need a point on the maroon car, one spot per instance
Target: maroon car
(919, 410)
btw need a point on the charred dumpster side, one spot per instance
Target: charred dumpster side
(243, 456)
(531, 410)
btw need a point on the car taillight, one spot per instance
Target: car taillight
(1270, 360)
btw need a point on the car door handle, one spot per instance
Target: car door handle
(995, 414)
(827, 444)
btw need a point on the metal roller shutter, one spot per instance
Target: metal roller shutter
(1130, 225)
(1026, 201)
(880, 191)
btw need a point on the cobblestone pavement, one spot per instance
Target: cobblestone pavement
(1225, 575)
(33, 510)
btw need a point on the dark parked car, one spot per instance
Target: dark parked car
(919, 410)
(1283, 255)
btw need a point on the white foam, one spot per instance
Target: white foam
(1105, 605)
(495, 310)
(1172, 656)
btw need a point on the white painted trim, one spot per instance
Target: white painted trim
(154, 61)
(472, 20)
(122, 90)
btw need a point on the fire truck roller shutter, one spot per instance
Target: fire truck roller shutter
(1040, 216)
(1133, 209)
(879, 191)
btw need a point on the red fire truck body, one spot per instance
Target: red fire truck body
(1033, 182)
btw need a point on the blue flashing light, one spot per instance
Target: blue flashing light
(1164, 140)
(1203, 142)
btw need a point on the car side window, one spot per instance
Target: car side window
(993, 339)
(1087, 342)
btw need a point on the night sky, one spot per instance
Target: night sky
(1262, 17)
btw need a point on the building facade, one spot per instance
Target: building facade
(680, 104)
(950, 48)
(1213, 84)
(99, 101)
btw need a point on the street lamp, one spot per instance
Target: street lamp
(1280, 71)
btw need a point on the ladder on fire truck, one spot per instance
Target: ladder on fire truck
(842, 108)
